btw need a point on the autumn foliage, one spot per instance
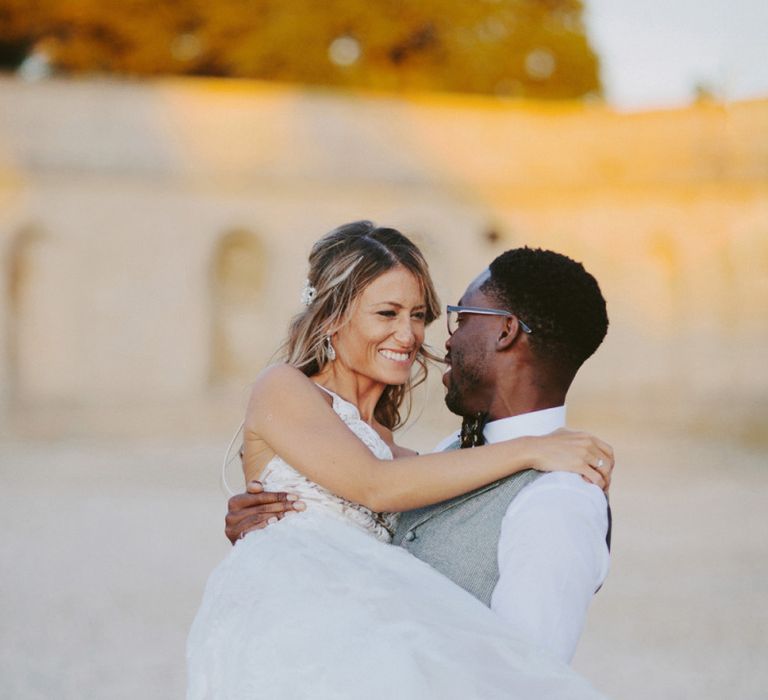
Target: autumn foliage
(532, 48)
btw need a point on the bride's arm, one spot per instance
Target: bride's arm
(289, 413)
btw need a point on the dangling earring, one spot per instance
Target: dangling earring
(330, 353)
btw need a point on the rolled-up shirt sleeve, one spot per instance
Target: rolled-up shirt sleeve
(552, 558)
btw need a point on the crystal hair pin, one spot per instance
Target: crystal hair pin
(308, 294)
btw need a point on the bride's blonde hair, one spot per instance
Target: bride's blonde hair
(341, 265)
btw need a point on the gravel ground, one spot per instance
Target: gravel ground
(106, 546)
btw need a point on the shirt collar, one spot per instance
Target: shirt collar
(533, 423)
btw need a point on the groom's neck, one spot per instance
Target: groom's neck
(520, 386)
(509, 405)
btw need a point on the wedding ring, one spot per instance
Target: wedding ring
(600, 463)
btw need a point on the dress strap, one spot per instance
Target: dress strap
(228, 458)
(327, 391)
(340, 404)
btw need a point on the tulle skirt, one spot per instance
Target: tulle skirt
(314, 607)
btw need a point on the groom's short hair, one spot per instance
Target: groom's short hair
(557, 298)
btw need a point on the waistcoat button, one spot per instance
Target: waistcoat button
(410, 536)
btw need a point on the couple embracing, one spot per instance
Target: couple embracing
(501, 546)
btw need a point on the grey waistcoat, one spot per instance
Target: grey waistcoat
(460, 537)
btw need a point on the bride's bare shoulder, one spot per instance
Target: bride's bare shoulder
(278, 375)
(281, 387)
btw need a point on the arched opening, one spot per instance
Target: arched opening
(238, 272)
(22, 255)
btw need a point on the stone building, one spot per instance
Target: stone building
(153, 236)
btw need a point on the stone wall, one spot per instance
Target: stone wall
(153, 236)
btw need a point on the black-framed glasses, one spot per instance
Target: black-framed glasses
(454, 312)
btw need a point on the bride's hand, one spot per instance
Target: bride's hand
(574, 451)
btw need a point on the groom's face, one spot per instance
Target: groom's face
(468, 377)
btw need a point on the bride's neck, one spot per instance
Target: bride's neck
(361, 391)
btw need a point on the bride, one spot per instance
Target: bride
(319, 604)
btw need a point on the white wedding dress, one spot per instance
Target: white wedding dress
(320, 606)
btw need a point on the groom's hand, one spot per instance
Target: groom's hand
(257, 508)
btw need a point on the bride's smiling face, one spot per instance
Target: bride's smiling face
(385, 328)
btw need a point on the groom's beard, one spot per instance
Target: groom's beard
(466, 377)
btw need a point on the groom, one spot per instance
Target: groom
(534, 546)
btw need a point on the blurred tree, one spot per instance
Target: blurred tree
(533, 48)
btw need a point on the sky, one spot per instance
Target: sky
(654, 52)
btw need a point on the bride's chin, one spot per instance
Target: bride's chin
(396, 375)
(398, 379)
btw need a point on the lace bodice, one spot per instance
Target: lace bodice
(278, 475)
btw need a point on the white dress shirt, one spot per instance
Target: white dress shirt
(552, 552)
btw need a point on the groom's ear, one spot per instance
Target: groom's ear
(510, 332)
